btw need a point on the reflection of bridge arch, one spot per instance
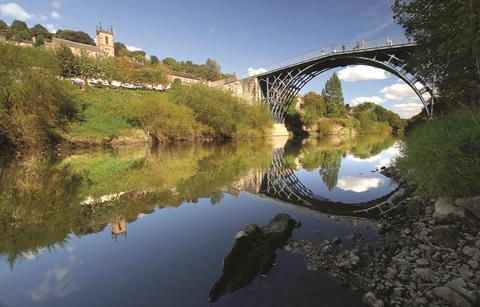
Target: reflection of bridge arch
(281, 183)
(281, 84)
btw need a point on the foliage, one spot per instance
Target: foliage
(3, 25)
(19, 31)
(40, 33)
(121, 50)
(75, 36)
(154, 60)
(68, 62)
(33, 102)
(370, 115)
(209, 71)
(449, 35)
(314, 107)
(333, 96)
(228, 116)
(443, 155)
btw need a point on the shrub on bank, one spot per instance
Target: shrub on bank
(443, 155)
(226, 115)
(34, 104)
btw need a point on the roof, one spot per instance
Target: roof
(76, 45)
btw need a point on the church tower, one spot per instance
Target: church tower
(105, 40)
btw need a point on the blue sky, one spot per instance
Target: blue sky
(239, 34)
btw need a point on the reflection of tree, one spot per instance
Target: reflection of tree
(326, 153)
(40, 200)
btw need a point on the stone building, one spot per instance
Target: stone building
(104, 47)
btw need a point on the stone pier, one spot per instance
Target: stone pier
(279, 130)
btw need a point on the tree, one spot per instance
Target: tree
(3, 25)
(213, 65)
(87, 67)
(448, 33)
(40, 31)
(75, 36)
(170, 62)
(19, 31)
(333, 95)
(68, 62)
(313, 108)
(154, 60)
(119, 47)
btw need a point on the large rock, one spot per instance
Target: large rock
(253, 254)
(370, 299)
(446, 236)
(446, 211)
(449, 296)
(471, 204)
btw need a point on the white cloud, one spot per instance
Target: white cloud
(212, 30)
(398, 91)
(42, 17)
(133, 48)
(358, 184)
(359, 100)
(407, 110)
(15, 11)
(256, 71)
(56, 3)
(362, 72)
(55, 15)
(51, 28)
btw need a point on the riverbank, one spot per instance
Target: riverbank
(428, 253)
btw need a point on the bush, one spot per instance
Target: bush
(226, 115)
(443, 155)
(34, 104)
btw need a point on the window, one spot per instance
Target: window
(106, 40)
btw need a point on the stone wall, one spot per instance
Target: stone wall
(248, 89)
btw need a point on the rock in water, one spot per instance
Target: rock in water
(370, 299)
(253, 254)
(446, 236)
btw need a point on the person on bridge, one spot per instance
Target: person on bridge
(389, 41)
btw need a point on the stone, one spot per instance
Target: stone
(348, 260)
(407, 231)
(472, 252)
(422, 262)
(371, 300)
(465, 272)
(414, 208)
(451, 297)
(446, 236)
(471, 204)
(473, 264)
(446, 211)
(390, 274)
(336, 240)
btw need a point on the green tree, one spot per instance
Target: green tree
(154, 60)
(68, 63)
(170, 62)
(119, 48)
(3, 25)
(213, 65)
(40, 31)
(314, 108)
(87, 67)
(75, 36)
(448, 32)
(19, 31)
(333, 95)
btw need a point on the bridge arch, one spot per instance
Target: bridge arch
(279, 86)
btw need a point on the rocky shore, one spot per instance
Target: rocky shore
(428, 253)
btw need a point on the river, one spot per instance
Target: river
(136, 226)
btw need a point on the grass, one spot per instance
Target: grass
(443, 155)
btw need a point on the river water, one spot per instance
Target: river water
(150, 227)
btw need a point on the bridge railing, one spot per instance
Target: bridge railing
(346, 47)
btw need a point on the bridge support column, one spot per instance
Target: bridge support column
(280, 130)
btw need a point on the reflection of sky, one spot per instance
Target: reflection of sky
(358, 184)
(358, 180)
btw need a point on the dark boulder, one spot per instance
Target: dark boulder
(253, 254)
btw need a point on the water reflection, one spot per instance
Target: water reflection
(46, 203)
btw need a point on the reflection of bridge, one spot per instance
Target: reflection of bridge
(282, 82)
(281, 183)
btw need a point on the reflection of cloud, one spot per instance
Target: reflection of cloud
(358, 184)
(58, 283)
(32, 255)
(369, 159)
(362, 72)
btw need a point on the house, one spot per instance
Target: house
(104, 44)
